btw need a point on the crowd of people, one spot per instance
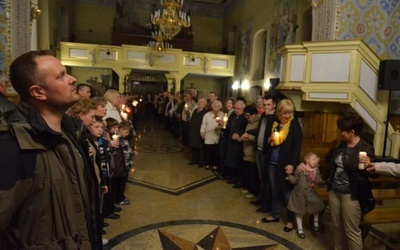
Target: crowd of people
(256, 148)
(66, 157)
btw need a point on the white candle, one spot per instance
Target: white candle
(225, 119)
(360, 164)
(114, 137)
(124, 115)
(276, 138)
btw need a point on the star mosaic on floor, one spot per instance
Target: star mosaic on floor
(197, 235)
(216, 239)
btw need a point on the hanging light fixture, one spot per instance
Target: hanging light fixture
(159, 45)
(170, 18)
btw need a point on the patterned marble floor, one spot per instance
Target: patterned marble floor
(177, 206)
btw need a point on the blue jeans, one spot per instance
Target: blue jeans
(280, 193)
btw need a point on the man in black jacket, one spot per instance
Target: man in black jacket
(262, 135)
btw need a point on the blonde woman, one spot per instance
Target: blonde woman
(282, 155)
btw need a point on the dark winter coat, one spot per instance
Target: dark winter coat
(42, 206)
(234, 152)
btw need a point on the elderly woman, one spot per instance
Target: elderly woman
(210, 131)
(346, 180)
(113, 100)
(283, 154)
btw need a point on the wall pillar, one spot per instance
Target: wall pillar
(121, 74)
(177, 76)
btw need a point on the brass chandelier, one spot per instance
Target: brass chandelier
(159, 45)
(170, 19)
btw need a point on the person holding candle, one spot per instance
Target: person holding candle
(386, 168)
(283, 154)
(210, 131)
(186, 112)
(223, 141)
(123, 158)
(112, 136)
(345, 179)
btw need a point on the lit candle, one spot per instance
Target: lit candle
(124, 115)
(186, 106)
(134, 103)
(217, 119)
(225, 119)
(114, 137)
(360, 164)
(276, 137)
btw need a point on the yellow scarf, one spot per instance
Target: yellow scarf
(282, 133)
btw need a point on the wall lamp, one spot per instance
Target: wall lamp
(35, 12)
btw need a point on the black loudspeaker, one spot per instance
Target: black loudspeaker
(389, 75)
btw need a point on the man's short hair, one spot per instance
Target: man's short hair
(82, 85)
(270, 97)
(24, 72)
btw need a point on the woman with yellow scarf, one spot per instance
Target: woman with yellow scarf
(282, 155)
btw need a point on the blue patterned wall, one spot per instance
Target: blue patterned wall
(3, 34)
(375, 21)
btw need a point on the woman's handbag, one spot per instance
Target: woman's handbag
(366, 199)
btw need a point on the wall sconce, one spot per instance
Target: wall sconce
(267, 84)
(236, 85)
(245, 84)
(35, 12)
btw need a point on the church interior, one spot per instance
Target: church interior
(332, 58)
